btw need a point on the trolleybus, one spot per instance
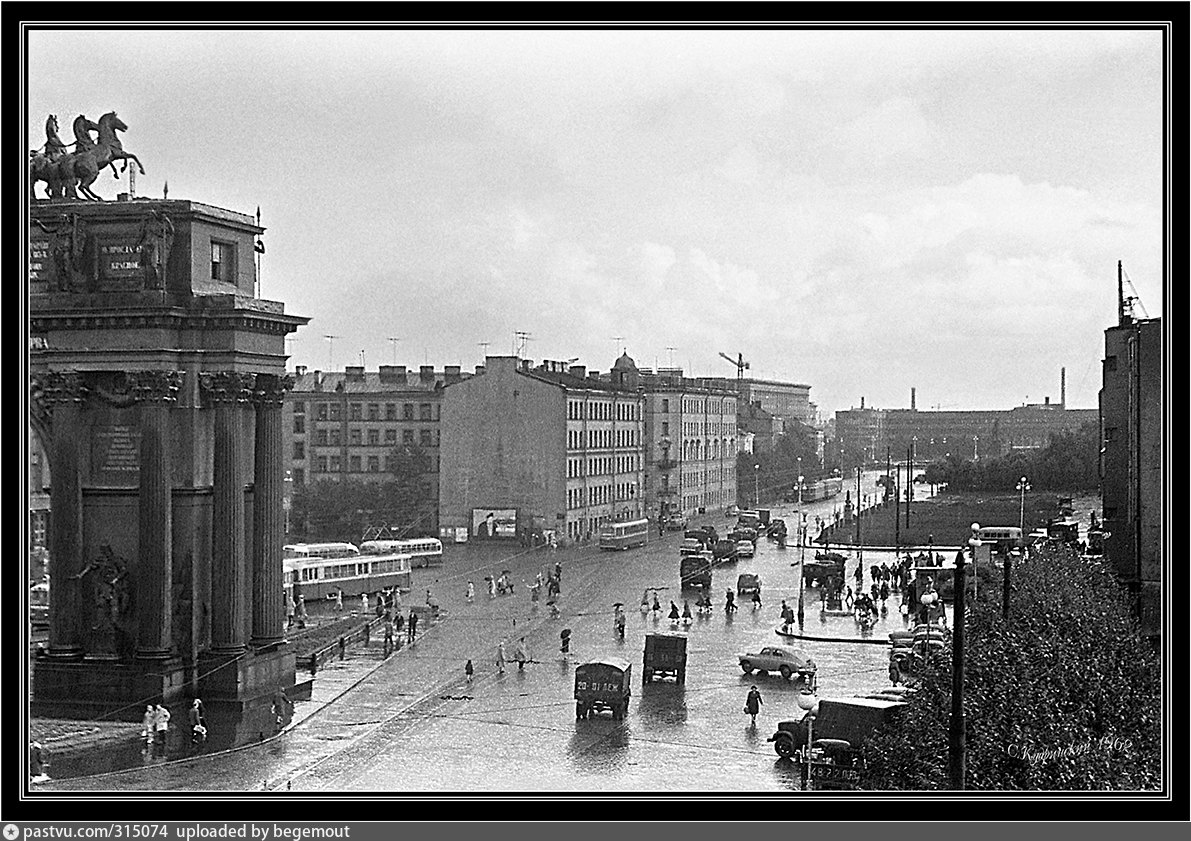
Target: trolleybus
(624, 535)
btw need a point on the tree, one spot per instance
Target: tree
(1069, 461)
(1064, 696)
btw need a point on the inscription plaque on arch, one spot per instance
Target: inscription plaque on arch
(120, 266)
(115, 456)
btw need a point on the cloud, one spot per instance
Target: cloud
(897, 128)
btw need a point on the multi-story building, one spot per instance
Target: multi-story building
(691, 436)
(551, 447)
(789, 401)
(765, 427)
(1131, 461)
(864, 434)
(350, 425)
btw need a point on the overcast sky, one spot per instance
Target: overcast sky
(860, 211)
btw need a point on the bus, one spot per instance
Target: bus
(39, 604)
(423, 551)
(323, 578)
(1003, 539)
(624, 535)
(319, 550)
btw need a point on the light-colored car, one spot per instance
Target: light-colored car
(776, 658)
(745, 549)
(676, 522)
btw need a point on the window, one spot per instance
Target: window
(390, 436)
(335, 440)
(299, 451)
(355, 464)
(320, 464)
(390, 411)
(223, 261)
(425, 438)
(407, 436)
(299, 476)
(373, 437)
(320, 411)
(355, 437)
(424, 411)
(356, 411)
(373, 464)
(408, 411)
(336, 411)
(299, 407)
(320, 437)
(299, 424)
(373, 411)
(336, 464)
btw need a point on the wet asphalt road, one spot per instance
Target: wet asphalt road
(412, 723)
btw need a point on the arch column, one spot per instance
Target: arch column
(229, 392)
(61, 393)
(156, 392)
(268, 518)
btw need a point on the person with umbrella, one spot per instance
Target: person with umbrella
(686, 612)
(565, 647)
(673, 613)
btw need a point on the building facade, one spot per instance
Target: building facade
(1131, 461)
(691, 444)
(527, 449)
(864, 434)
(352, 425)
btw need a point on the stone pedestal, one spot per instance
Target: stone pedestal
(91, 687)
(243, 694)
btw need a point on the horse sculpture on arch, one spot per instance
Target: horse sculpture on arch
(70, 174)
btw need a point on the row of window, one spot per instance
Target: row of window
(602, 439)
(355, 464)
(708, 449)
(356, 438)
(601, 494)
(698, 428)
(604, 465)
(581, 410)
(706, 500)
(370, 411)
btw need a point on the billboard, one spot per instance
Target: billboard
(494, 523)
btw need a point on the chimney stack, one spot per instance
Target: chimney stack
(913, 399)
(1063, 387)
(300, 370)
(452, 374)
(354, 372)
(426, 373)
(579, 371)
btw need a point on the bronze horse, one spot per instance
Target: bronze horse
(81, 168)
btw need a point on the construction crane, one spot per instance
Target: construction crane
(741, 365)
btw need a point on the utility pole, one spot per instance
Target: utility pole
(393, 340)
(331, 351)
(959, 741)
(859, 512)
(897, 511)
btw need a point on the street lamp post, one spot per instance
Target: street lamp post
(756, 485)
(1022, 486)
(800, 481)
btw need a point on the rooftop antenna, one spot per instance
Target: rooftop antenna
(1128, 302)
(132, 182)
(484, 346)
(520, 338)
(393, 340)
(165, 191)
(618, 340)
(258, 248)
(362, 358)
(670, 350)
(331, 351)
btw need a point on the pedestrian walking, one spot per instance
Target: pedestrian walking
(657, 606)
(289, 610)
(619, 621)
(198, 723)
(500, 657)
(558, 573)
(428, 597)
(661, 527)
(149, 726)
(301, 609)
(381, 605)
(363, 604)
(338, 601)
(471, 592)
(469, 670)
(565, 646)
(752, 705)
(673, 612)
(522, 654)
(413, 626)
(491, 588)
(388, 634)
(39, 761)
(645, 601)
(686, 612)
(730, 602)
(756, 599)
(848, 599)
(161, 725)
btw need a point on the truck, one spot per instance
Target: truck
(665, 654)
(695, 570)
(603, 686)
(829, 741)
